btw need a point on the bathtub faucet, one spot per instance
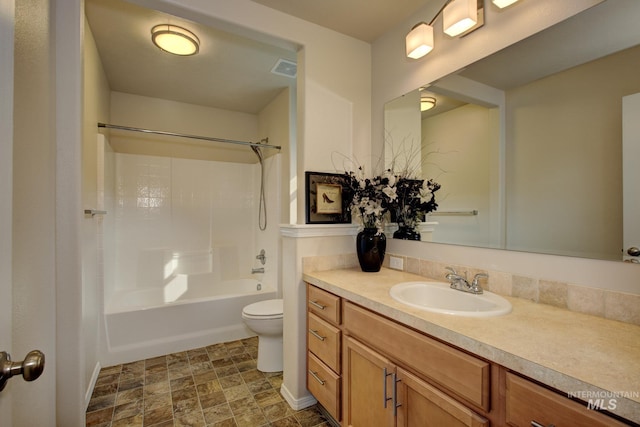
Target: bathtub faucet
(262, 257)
(257, 270)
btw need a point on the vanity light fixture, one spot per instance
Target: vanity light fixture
(459, 16)
(175, 40)
(427, 103)
(503, 3)
(419, 41)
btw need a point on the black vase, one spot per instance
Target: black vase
(371, 248)
(406, 233)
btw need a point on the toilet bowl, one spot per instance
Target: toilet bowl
(265, 319)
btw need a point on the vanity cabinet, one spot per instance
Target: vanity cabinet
(324, 344)
(380, 388)
(367, 370)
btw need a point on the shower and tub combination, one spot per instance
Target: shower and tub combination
(181, 248)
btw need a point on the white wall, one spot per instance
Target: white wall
(274, 122)
(179, 117)
(96, 108)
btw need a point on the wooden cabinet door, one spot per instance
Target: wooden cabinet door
(422, 405)
(367, 376)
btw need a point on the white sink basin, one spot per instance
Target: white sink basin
(438, 297)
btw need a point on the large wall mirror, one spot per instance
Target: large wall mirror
(528, 143)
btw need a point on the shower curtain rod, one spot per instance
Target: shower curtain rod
(180, 135)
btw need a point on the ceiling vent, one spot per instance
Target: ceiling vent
(286, 68)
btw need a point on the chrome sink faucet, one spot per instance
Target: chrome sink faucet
(460, 283)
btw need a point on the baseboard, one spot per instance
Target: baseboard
(297, 404)
(92, 384)
(328, 416)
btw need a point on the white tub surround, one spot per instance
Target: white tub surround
(571, 352)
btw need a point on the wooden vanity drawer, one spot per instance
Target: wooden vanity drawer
(528, 402)
(324, 385)
(324, 304)
(324, 341)
(462, 374)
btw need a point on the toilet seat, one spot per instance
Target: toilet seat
(267, 309)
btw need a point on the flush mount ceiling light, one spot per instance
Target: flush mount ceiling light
(503, 3)
(175, 40)
(419, 41)
(427, 103)
(459, 16)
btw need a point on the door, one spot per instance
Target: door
(368, 387)
(6, 171)
(422, 405)
(631, 177)
(27, 211)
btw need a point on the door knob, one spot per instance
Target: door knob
(633, 251)
(30, 368)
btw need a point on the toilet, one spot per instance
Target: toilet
(265, 319)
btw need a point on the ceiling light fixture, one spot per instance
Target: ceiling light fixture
(427, 103)
(503, 3)
(175, 40)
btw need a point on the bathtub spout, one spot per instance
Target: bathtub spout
(257, 270)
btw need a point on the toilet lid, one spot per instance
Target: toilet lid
(271, 307)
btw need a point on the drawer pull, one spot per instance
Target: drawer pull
(315, 334)
(315, 304)
(534, 423)
(317, 378)
(396, 405)
(385, 399)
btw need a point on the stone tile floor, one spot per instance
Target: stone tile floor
(217, 385)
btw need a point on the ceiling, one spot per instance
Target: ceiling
(230, 72)
(362, 19)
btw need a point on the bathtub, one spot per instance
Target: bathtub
(188, 311)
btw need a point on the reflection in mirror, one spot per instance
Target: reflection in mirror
(531, 138)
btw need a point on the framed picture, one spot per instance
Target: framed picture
(327, 198)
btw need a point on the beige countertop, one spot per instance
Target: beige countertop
(572, 352)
